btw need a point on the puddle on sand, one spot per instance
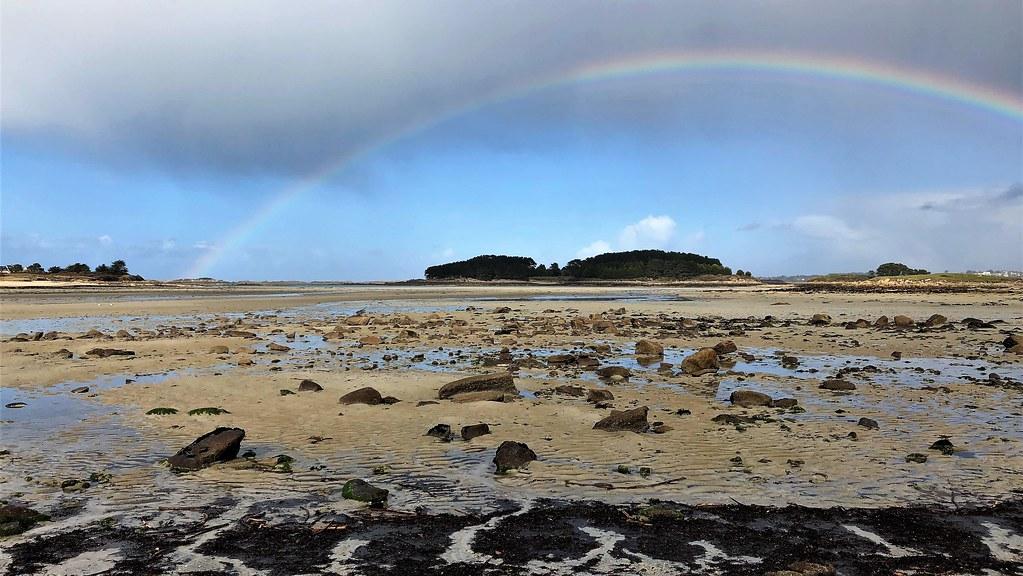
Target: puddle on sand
(638, 297)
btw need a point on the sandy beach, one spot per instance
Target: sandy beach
(930, 417)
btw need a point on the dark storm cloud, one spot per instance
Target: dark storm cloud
(235, 87)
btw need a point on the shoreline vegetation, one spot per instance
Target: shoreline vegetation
(637, 268)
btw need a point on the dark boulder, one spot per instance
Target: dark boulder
(725, 347)
(648, 348)
(784, 402)
(624, 420)
(599, 395)
(498, 382)
(607, 372)
(367, 395)
(702, 361)
(363, 491)
(749, 398)
(474, 430)
(219, 445)
(17, 519)
(820, 320)
(441, 431)
(511, 455)
(837, 384)
(868, 423)
(309, 386)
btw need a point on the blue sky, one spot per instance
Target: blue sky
(153, 156)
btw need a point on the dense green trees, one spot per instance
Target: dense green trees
(610, 266)
(898, 269)
(487, 267)
(644, 264)
(116, 269)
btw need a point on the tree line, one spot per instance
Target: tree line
(117, 269)
(609, 266)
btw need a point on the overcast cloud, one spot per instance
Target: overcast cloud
(285, 87)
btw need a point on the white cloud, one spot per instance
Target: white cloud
(105, 240)
(650, 232)
(168, 245)
(598, 247)
(202, 245)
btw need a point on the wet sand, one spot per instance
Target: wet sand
(814, 455)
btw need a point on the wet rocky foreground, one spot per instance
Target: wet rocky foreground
(902, 456)
(303, 536)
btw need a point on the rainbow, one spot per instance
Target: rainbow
(1002, 103)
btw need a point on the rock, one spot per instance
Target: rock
(943, 445)
(309, 386)
(499, 382)
(731, 419)
(219, 445)
(426, 403)
(820, 320)
(784, 402)
(700, 362)
(560, 359)
(660, 428)
(358, 320)
(63, 354)
(725, 347)
(275, 347)
(485, 396)
(220, 349)
(13, 405)
(17, 519)
(367, 395)
(577, 391)
(868, 423)
(474, 430)
(837, 384)
(511, 455)
(371, 340)
(608, 372)
(749, 398)
(648, 348)
(105, 352)
(624, 420)
(80, 390)
(599, 395)
(789, 361)
(363, 491)
(903, 321)
(916, 457)
(881, 322)
(441, 431)
(240, 334)
(935, 320)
